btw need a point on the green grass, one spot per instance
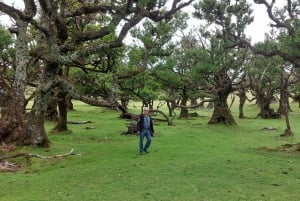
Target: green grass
(190, 161)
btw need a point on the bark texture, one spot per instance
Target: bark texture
(11, 122)
(223, 88)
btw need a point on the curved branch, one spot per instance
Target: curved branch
(244, 43)
(27, 15)
(90, 10)
(170, 121)
(196, 105)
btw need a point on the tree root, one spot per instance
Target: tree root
(287, 133)
(80, 122)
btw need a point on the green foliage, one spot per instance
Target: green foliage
(92, 84)
(157, 36)
(135, 56)
(141, 86)
(189, 161)
(265, 71)
(288, 44)
(232, 17)
(155, 47)
(7, 51)
(5, 38)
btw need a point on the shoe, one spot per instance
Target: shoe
(147, 152)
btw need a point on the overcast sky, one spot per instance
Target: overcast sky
(256, 30)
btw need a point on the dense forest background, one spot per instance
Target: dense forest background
(64, 50)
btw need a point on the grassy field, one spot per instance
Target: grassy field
(190, 161)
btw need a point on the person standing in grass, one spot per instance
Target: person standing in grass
(145, 128)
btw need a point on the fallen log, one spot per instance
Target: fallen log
(28, 155)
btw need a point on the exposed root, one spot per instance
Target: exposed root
(287, 133)
(80, 122)
(285, 148)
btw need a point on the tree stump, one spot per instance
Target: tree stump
(131, 129)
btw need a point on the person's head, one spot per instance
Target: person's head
(146, 110)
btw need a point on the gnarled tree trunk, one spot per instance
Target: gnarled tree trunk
(51, 113)
(171, 107)
(221, 113)
(63, 111)
(11, 122)
(284, 106)
(266, 112)
(264, 99)
(34, 132)
(243, 98)
(69, 102)
(184, 112)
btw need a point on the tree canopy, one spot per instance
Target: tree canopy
(71, 49)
